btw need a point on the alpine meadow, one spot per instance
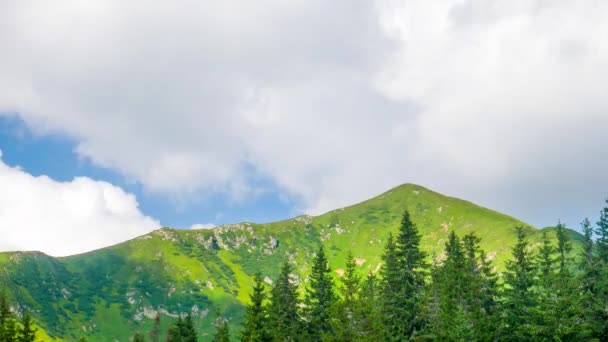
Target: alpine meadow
(410, 264)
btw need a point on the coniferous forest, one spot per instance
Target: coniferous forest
(545, 294)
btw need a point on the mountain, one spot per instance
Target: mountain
(109, 294)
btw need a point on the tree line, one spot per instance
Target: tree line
(544, 294)
(12, 329)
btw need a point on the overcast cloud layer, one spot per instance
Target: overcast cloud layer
(502, 102)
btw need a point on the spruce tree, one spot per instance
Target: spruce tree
(8, 327)
(137, 338)
(187, 331)
(601, 232)
(599, 313)
(283, 307)
(370, 327)
(453, 284)
(347, 318)
(27, 332)
(545, 259)
(320, 298)
(175, 331)
(154, 333)
(255, 325)
(519, 300)
(222, 333)
(590, 283)
(403, 282)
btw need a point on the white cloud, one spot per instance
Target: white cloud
(203, 226)
(64, 218)
(492, 100)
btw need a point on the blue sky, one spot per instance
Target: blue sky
(54, 156)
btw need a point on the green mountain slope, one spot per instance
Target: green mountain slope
(110, 293)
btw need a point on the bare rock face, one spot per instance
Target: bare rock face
(271, 245)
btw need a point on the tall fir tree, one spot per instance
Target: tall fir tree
(599, 313)
(370, 327)
(27, 331)
(319, 299)
(8, 326)
(519, 320)
(347, 318)
(601, 233)
(137, 337)
(256, 324)
(284, 306)
(187, 331)
(174, 334)
(403, 282)
(591, 282)
(154, 333)
(222, 331)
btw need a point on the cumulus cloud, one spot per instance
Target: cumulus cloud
(203, 226)
(497, 101)
(64, 218)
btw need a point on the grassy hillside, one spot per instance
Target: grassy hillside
(110, 293)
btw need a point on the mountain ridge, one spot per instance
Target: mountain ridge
(111, 292)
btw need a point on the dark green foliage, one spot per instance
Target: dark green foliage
(370, 327)
(519, 299)
(403, 283)
(462, 303)
(222, 333)
(8, 326)
(182, 330)
(348, 318)
(27, 332)
(256, 325)
(319, 299)
(560, 306)
(595, 276)
(154, 333)
(138, 338)
(283, 308)
(601, 232)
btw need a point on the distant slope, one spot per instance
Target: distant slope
(110, 293)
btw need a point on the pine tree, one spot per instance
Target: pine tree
(488, 322)
(255, 325)
(598, 312)
(403, 282)
(545, 259)
(27, 332)
(138, 338)
(222, 333)
(155, 331)
(601, 232)
(564, 247)
(452, 283)
(347, 318)
(370, 307)
(283, 308)
(187, 332)
(588, 261)
(590, 283)
(519, 301)
(320, 298)
(8, 327)
(175, 331)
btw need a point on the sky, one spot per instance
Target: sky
(118, 117)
